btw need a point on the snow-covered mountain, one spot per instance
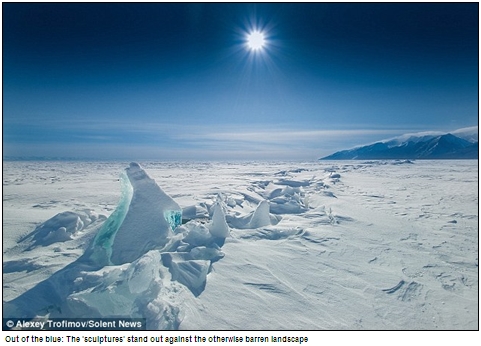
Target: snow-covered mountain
(459, 144)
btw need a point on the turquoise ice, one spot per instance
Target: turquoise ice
(173, 217)
(151, 217)
(144, 219)
(102, 245)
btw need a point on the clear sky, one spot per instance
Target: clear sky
(166, 81)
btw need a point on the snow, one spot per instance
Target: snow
(62, 227)
(468, 133)
(458, 144)
(263, 245)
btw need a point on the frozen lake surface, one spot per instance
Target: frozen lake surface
(338, 245)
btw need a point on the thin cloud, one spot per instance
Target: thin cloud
(275, 136)
(131, 138)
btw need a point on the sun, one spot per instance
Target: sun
(256, 40)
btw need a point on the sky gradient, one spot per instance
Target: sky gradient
(177, 81)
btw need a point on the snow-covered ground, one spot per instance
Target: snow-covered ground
(311, 245)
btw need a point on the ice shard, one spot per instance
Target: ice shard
(261, 216)
(101, 249)
(218, 227)
(143, 220)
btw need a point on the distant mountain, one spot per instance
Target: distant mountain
(459, 144)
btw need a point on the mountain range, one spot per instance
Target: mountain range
(459, 144)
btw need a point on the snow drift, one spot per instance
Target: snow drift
(314, 245)
(62, 227)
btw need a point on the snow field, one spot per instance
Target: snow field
(330, 245)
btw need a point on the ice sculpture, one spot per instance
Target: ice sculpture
(261, 216)
(102, 246)
(218, 227)
(143, 220)
(150, 220)
(140, 261)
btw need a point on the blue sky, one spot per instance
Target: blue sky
(177, 81)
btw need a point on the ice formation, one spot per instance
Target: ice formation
(149, 222)
(258, 218)
(285, 196)
(138, 289)
(358, 233)
(143, 220)
(192, 273)
(139, 256)
(62, 227)
(149, 252)
(218, 227)
(101, 249)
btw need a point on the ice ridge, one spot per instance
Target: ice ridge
(144, 220)
(151, 217)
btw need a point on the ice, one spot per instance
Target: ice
(218, 227)
(359, 245)
(140, 275)
(101, 249)
(174, 218)
(260, 217)
(191, 273)
(191, 268)
(195, 212)
(195, 233)
(151, 217)
(289, 200)
(136, 289)
(144, 219)
(139, 255)
(206, 253)
(60, 228)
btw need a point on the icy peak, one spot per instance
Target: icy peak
(136, 172)
(218, 227)
(458, 144)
